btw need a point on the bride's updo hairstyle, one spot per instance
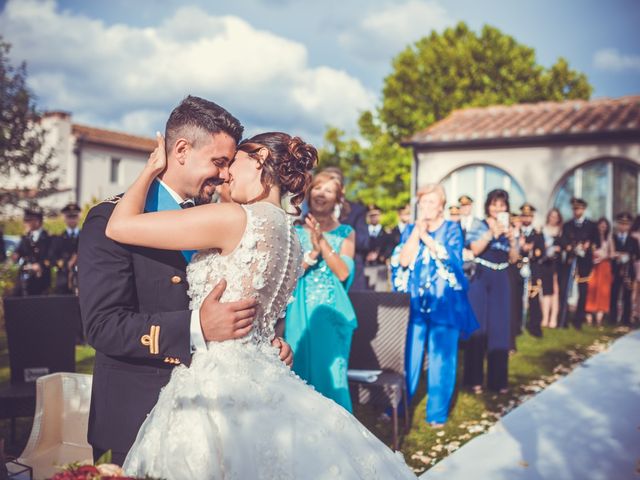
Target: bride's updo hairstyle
(288, 164)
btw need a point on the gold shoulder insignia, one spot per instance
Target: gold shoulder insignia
(113, 199)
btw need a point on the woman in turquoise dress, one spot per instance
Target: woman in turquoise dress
(320, 320)
(428, 265)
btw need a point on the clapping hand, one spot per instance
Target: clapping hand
(158, 159)
(316, 234)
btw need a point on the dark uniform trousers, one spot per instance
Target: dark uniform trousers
(63, 248)
(536, 257)
(572, 235)
(32, 252)
(134, 307)
(623, 278)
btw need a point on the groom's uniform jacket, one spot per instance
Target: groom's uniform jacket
(135, 313)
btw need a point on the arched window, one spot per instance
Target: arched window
(478, 180)
(609, 186)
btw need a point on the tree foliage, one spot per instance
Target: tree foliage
(437, 74)
(26, 170)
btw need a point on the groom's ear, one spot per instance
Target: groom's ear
(180, 149)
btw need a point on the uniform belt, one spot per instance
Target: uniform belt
(491, 265)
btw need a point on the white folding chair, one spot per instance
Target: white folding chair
(60, 424)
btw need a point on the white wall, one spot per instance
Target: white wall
(96, 169)
(538, 170)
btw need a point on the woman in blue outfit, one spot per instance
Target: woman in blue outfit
(493, 244)
(428, 264)
(320, 321)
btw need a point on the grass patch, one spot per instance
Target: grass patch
(538, 363)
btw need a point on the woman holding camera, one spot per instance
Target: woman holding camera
(494, 247)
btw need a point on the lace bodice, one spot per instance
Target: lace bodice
(265, 265)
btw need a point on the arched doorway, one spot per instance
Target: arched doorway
(609, 185)
(478, 180)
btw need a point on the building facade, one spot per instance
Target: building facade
(543, 153)
(93, 163)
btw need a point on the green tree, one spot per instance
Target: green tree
(26, 170)
(437, 74)
(459, 68)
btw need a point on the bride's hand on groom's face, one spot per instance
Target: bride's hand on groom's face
(158, 159)
(222, 321)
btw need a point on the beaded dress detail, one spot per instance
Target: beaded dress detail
(238, 412)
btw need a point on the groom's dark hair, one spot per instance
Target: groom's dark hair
(195, 118)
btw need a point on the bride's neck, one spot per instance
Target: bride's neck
(274, 196)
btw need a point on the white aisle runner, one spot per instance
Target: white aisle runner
(583, 427)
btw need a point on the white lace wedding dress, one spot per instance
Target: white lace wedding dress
(238, 412)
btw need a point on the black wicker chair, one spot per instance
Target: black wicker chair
(41, 337)
(378, 344)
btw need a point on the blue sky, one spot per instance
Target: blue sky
(282, 64)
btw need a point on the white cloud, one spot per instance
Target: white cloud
(129, 78)
(611, 60)
(383, 32)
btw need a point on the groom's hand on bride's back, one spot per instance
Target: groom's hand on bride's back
(225, 320)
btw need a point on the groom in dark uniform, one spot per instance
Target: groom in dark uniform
(134, 303)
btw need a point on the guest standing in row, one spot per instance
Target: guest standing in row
(320, 321)
(494, 247)
(32, 256)
(64, 251)
(552, 232)
(625, 253)
(599, 285)
(353, 214)
(578, 237)
(428, 264)
(532, 249)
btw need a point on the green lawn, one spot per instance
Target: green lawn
(537, 363)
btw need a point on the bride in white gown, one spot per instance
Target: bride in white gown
(238, 412)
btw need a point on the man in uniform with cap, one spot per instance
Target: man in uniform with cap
(532, 249)
(454, 213)
(626, 252)
(64, 251)
(32, 255)
(579, 236)
(466, 213)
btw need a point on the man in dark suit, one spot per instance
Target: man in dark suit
(355, 215)
(376, 270)
(32, 256)
(404, 219)
(532, 248)
(626, 252)
(134, 303)
(579, 236)
(64, 251)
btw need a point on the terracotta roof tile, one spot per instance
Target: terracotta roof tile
(114, 139)
(571, 117)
